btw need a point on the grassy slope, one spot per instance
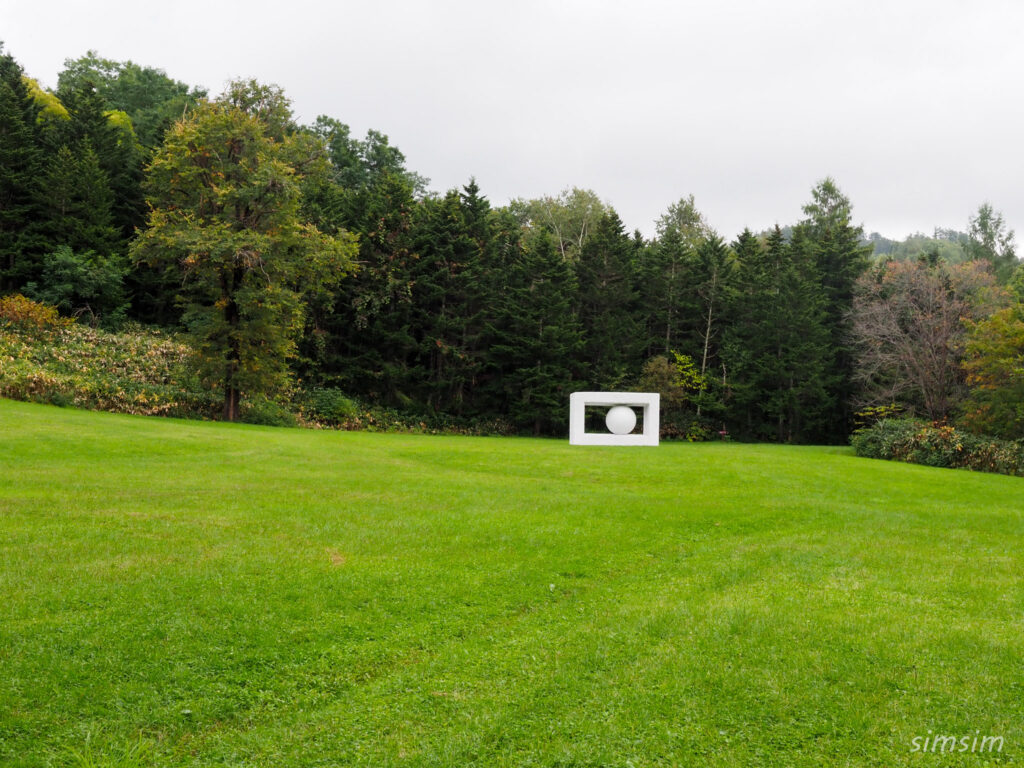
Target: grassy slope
(217, 594)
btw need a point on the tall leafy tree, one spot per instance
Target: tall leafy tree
(991, 241)
(358, 164)
(994, 364)
(908, 326)
(570, 218)
(152, 101)
(683, 219)
(225, 211)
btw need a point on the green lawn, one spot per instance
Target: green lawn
(185, 593)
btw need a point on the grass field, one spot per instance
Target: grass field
(187, 593)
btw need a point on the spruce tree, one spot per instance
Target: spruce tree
(536, 338)
(362, 340)
(778, 347)
(77, 203)
(607, 304)
(451, 286)
(665, 273)
(713, 276)
(117, 151)
(836, 248)
(21, 164)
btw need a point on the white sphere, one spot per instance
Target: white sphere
(620, 419)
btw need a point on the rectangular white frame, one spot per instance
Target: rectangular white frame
(650, 402)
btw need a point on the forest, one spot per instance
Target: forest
(303, 259)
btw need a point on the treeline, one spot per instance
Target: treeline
(302, 256)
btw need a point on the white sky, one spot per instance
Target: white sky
(913, 107)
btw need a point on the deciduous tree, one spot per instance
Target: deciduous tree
(225, 211)
(909, 332)
(994, 363)
(991, 241)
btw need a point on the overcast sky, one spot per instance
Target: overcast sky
(915, 108)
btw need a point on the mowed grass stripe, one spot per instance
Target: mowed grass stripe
(233, 595)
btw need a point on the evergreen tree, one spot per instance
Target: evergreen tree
(665, 273)
(840, 257)
(535, 337)
(21, 165)
(363, 340)
(713, 275)
(777, 347)
(77, 203)
(118, 153)
(452, 288)
(607, 305)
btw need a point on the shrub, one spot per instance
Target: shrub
(86, 285)
(24, 313)
(138, 371)
(938, 445)
(885, 439)
(261, 410)
(328, 405)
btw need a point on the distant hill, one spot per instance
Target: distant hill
(949, 244)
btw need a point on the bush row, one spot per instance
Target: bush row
(938, 445)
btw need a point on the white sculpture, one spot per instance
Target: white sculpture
(620, 420)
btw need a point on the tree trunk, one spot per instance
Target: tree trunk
(230, 403)
(707, 344)
(231, 318)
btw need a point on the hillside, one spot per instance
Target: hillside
(137, 371)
